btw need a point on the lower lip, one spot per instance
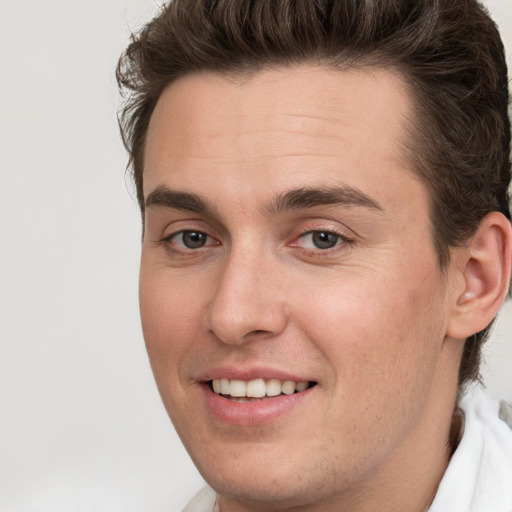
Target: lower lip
(255, 413)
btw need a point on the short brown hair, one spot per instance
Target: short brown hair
(449, 51)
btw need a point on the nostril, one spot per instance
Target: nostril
(257, 331)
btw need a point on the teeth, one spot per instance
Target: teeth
(257, 388)
(288, 387)
(301, 386)
(224, 386)
(273, 387)
(237, 388)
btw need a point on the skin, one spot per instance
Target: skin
(367, 319)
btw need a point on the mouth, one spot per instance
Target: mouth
(257, 389)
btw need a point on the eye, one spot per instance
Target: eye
(320, 240)
(190, 239)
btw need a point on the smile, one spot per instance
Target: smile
(255, 397)
(242, 391)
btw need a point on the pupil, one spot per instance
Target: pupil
(193, 239)
(324, 240)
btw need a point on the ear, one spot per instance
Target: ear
(485, 267)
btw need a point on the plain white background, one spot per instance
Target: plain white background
(82, 427)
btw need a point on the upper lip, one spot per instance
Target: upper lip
(247, 374)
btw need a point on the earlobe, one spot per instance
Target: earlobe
(486, 275)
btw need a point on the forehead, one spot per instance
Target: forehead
(311, 125)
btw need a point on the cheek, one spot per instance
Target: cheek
(374, 331)
(382, 351)
(170, 314)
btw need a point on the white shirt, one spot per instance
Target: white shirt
(479, 475)
(204, 501)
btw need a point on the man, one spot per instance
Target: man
(326, 241)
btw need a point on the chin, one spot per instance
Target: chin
(271, 483)
(268, 492)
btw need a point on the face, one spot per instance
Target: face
(292, 303)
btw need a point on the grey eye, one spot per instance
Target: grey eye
(193, 239)
(324, 239)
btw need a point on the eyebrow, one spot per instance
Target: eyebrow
(308, 197)
(297, 199)
(167, 198)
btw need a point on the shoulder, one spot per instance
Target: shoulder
(505, 413)
(479, 474)
(203, 501)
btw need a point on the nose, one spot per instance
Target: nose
(248, 300)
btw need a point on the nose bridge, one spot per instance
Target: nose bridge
(246, 302)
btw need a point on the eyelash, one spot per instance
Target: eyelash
(170, 246)
(341, 240)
